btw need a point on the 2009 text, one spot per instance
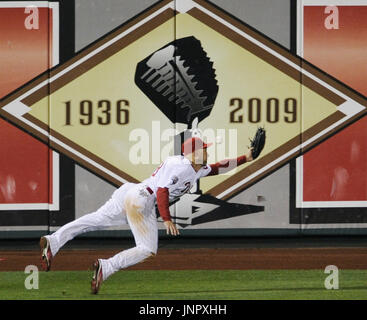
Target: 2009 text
(256, 110)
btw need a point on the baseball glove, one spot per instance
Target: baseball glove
(258, 142)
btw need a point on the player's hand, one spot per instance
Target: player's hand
(171, 228)
(248, 155)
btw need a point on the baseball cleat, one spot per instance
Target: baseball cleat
(46, 255)
(97, 277)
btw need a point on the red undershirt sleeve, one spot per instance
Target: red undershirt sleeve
(224, 165)
(163, 203)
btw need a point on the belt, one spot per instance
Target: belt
(149, 190)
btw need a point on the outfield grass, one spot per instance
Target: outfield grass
(200, 284)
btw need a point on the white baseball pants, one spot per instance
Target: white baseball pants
(130, 204)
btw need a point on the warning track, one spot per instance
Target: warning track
(200, 259)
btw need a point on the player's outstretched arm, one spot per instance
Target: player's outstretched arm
(229, 164)
(171, 228)
(163, 208)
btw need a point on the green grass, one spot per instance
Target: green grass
(199, 284)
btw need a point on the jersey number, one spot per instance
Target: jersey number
(188, 187)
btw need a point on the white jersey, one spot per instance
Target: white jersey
(177, 175)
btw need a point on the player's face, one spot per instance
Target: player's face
(205, 156)
(201, 157)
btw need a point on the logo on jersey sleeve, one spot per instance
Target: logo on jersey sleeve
(174, 180)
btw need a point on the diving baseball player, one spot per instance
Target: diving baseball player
(134, 204)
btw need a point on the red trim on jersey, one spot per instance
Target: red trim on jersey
(163, 203)
(225, 164)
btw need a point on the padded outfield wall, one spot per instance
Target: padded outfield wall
(75, 126)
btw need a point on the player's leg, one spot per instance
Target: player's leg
(104, 217)
(143, 223)
(110, 214)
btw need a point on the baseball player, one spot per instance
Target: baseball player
(134, 204)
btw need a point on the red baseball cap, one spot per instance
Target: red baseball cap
(193, 144)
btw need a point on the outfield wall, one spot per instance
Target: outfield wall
(74, 124)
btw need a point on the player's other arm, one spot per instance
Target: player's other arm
(229, 164)
(163, 208)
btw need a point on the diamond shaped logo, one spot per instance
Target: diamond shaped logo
(90, 107)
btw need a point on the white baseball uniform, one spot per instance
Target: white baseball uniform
(134, 204)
